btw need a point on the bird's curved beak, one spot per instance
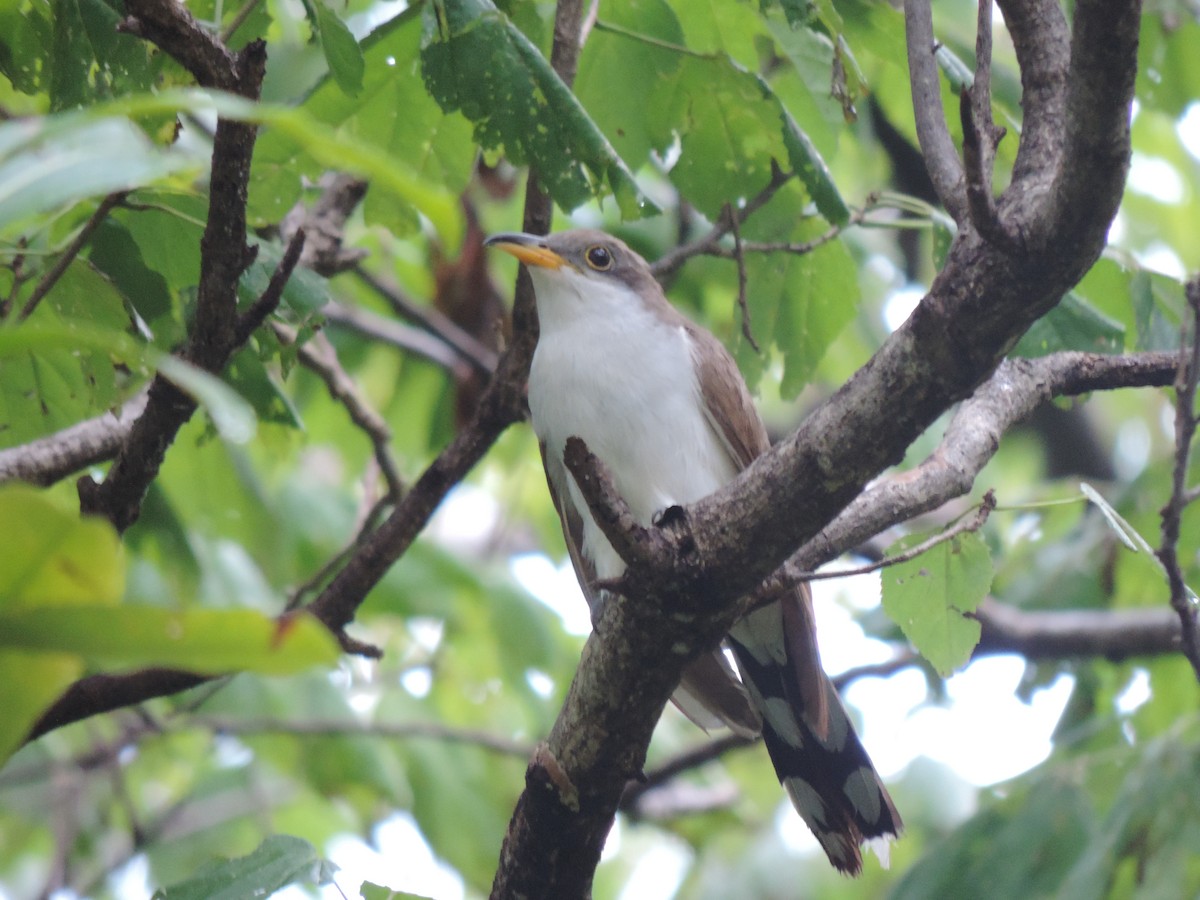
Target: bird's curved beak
(528, 248)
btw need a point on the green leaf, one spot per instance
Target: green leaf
(306, 292)
(798, 302)
(615, 66)
(475, 60)
(47, 388)
(29, 683)
(55, 161)
(342, 52)
(732, 129)
(930, 598)
(207, 641)
(1074, 324)
(53, 557)
(49, 558)
(324, 144)
(1021, 847)
(278, 861)
(233, 416)
(1158, 304)
(393, 113)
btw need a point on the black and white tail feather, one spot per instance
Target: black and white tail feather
(816, 753)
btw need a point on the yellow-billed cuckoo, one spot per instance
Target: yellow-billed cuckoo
(661, 402)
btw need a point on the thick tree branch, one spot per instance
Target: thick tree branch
(1113, 634)
(1042, 42)
(972, 437)
(54, 457)
(685, 600)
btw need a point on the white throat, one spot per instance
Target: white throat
(609, 370)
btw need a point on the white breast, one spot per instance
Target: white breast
(610, 372)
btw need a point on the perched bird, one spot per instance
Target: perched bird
(661, 402)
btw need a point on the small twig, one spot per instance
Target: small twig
(440, 326)
(249, 321)
(1186, 380)
(436, 731)
(941, 159)
(319, 578)
(981, 136)
(709, 243)
(741, 271)
(711, 246)
(403, 337)
(319, 357)
(55, 272)
(962, 526)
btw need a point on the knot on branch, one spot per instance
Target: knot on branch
(544, 769)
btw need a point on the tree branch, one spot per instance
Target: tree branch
(402, 337)
(42, 288)
(1186, 380)
(319, 357)
(971, 439)
(725, 545)
(710, 243)
(224, 254)
(481, 358)
(941, 159)
(54, 457)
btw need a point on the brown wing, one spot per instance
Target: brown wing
(735, 420)
(572, 526)
(709, 693)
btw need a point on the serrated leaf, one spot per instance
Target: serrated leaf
(732, 129)
(1073, 324)
(278, 861)
(798, 302)
(233, 416)
(49, 388)
(342, 52)
(930, 598)
(615, 66)
(475, 60)
(1005, 847)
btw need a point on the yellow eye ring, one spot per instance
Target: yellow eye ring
(599, 257)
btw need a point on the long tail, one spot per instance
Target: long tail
(817, 755)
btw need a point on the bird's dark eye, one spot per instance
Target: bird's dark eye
(599, 257)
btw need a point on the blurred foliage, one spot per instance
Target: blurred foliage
(680, 108)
